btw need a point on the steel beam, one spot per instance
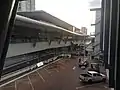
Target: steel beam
(8, 9)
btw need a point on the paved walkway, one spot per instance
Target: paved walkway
(61, 75)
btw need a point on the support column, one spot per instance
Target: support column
(8, 9)
(117, 60)
(112, 42)
(106, 37)
(102, 25)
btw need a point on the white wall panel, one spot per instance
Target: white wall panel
(22, 48)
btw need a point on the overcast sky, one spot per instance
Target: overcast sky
(75, 12)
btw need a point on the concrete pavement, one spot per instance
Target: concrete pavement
(61, 75)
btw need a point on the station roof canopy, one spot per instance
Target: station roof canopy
(44, 16)
(43, 25)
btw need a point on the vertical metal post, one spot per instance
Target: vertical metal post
(8, 9)
(106, 37)
(112, 43)
(117, 60)
(102, 26)
(30, 6)
(84, 49)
